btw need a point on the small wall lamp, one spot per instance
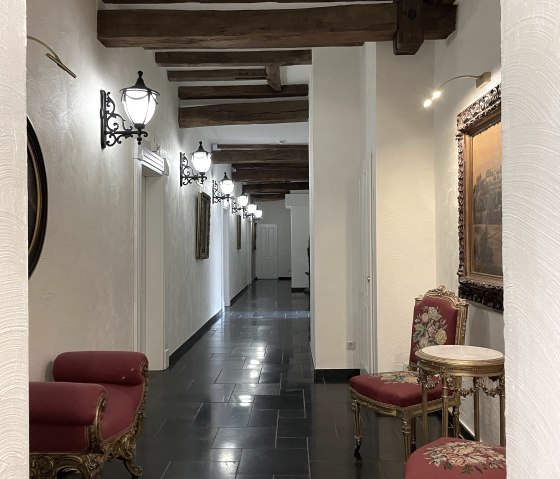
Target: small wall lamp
(240, 204)
(257, 215)
(139, 103)
(480, 80)
(201, 160)
(226, 187)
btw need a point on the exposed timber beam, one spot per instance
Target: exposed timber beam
(273, 77)
(312, 27)
(239, 157)
(271, 197)
(261, 146)
(217, 75)
(234, 59)
(244, 114)
(410, 32)
(240, 91)
(283, 188)
(271, 176)
(271, 166)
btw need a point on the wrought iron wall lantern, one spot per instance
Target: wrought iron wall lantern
(226, 187)
(240, 204)
(139, 103)
(250, 211)
(201, 160)
(257, 215)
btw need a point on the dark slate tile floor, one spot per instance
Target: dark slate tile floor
(241, 403)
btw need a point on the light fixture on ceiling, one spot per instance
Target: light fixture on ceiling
(53, 56)
(139, 103)
(226, 187)
(436, 94)
(240, 204)
(201, 160)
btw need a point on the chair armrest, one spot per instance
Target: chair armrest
(65, 404)
(112, 367)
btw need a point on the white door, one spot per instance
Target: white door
(267, 252)
(366, 326)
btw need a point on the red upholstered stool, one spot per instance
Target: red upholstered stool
(439, 318)
(453, 458)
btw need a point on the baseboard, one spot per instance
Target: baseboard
(284, 278)
(298, 290)
(335, 375)
(189, 343)
(236, 297)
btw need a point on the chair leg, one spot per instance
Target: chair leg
(456, 421)
(405, 427)
(134, 470)
(357, 423)
(413, 431)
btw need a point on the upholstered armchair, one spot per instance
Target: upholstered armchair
(439, 318)
(90, 414)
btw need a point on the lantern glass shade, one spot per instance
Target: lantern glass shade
(258, 214)
(243, 201)
(251, 209)
(201, 159)
(139, 102)
(226, 185)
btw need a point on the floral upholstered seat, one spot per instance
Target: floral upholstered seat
(439, 317)
(452, 458)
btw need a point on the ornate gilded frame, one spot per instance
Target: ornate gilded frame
(479, 116)
(203, 226)
(37, 198)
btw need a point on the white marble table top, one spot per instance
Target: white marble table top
(462, 353)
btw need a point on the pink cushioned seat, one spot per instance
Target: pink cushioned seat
(399, 388)
(453, 458)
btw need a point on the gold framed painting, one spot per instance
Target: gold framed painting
(480, 201)
(203, 226)
(238, 232)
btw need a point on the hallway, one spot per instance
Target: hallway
(241, 403)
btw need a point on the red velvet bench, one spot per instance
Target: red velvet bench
(89, 415)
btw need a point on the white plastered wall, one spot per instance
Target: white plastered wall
(531, 251)
(473, 49)
(14, 422)
(335, 158)
(81, 294)
(404, 197)
(298, 205)
(275, 213)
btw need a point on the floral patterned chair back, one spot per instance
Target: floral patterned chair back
(439, 318)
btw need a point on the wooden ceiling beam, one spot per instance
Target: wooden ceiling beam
(268, 197)
(261, 146)
(234, 29)
(271, 166)
(240, 91)
(217, 75)
(234, 59)
(264, 188)
(238, 157)
(271, 176)
(273, 77)
(244, 114)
